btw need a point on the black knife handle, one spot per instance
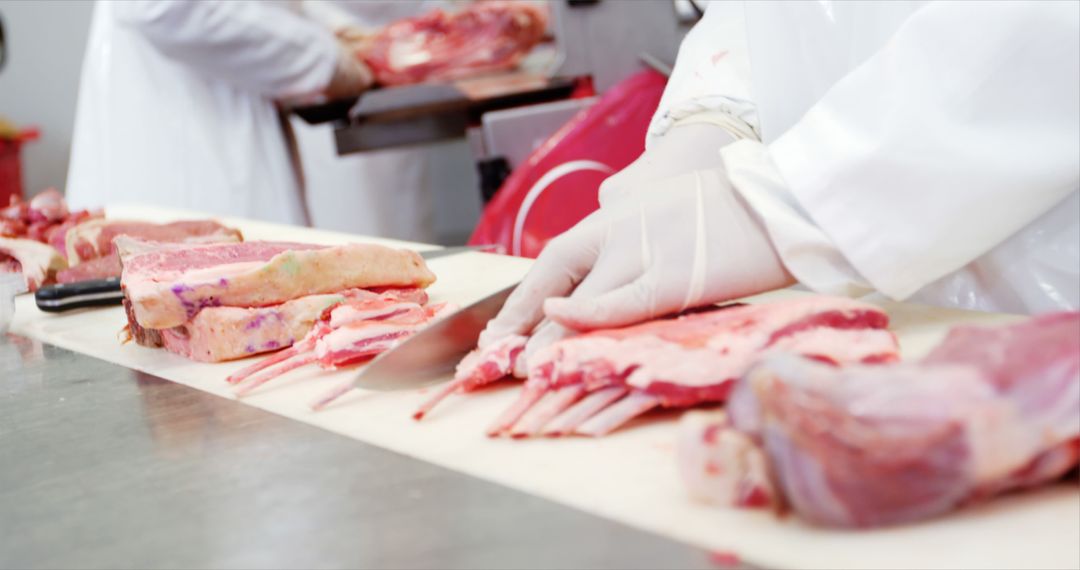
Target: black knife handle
(67, 296)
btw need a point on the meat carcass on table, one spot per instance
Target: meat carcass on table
(441, 46)
(593, 383)
(992, 409)
(37, 262)
(167, 287)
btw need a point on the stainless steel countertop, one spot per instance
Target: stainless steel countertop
(101, 466)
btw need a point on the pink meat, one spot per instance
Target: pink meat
(56, 236)
(168, 285)
(594, 383)
(349, 333)
(100, 268)
(175, 260)
(48, 205)
(990, 410)
(94, 239)
(37, 262)
(441, 46)
(479, 368)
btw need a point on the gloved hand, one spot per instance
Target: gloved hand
(683, 149)
(681, 242)
(352, 76)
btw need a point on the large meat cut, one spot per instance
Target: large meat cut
(37, 262)
(593, 383)
(441, 46)
(90, 251)
(167, 287)
(220, 302)
(217, 334)
(94, 238)
(990, 410)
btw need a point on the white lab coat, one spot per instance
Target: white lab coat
(176, 106)
(928, 151)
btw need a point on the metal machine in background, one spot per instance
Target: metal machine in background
(596, 43)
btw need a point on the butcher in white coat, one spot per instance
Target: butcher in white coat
(177, 105)
(927, 151)
(386, 192)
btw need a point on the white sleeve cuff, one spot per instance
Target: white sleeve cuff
(809, 255)
(735, 116)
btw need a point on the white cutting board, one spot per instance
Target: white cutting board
(629, 476)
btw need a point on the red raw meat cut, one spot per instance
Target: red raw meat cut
(356, 330)
(440, 46)
(593, 383)
(992, 409)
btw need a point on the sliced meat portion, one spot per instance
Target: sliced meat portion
(108, 264)
(48, 206)
(37, 262)
(479, 368)
(441, 46)
(593, 383)
(100, 268)
(226, 333)
(167, 287)
(94, 238)
(217, 334)
(352, 332)
(990, 410)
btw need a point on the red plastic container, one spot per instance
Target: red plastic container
(11, 164)
(558, 184)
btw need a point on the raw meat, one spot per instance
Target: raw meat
(226, 333)
(45, 219)
(479, 368)
(440, 46)
(167, 287)
(92, 243)
(49, 206)
(594, 383)
(37, 262)
(352, 332)
(989, 411)
(94, 238)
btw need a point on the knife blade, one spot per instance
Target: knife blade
(106, 292)
(428, 356)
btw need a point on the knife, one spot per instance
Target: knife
(68, 296)
(426, 357)
(106, 292)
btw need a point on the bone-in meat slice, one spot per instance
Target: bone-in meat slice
(37, 262)
(676, 362)
(169, 286)
(94, 238)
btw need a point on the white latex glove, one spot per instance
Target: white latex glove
(684, 148)
(689, 241)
